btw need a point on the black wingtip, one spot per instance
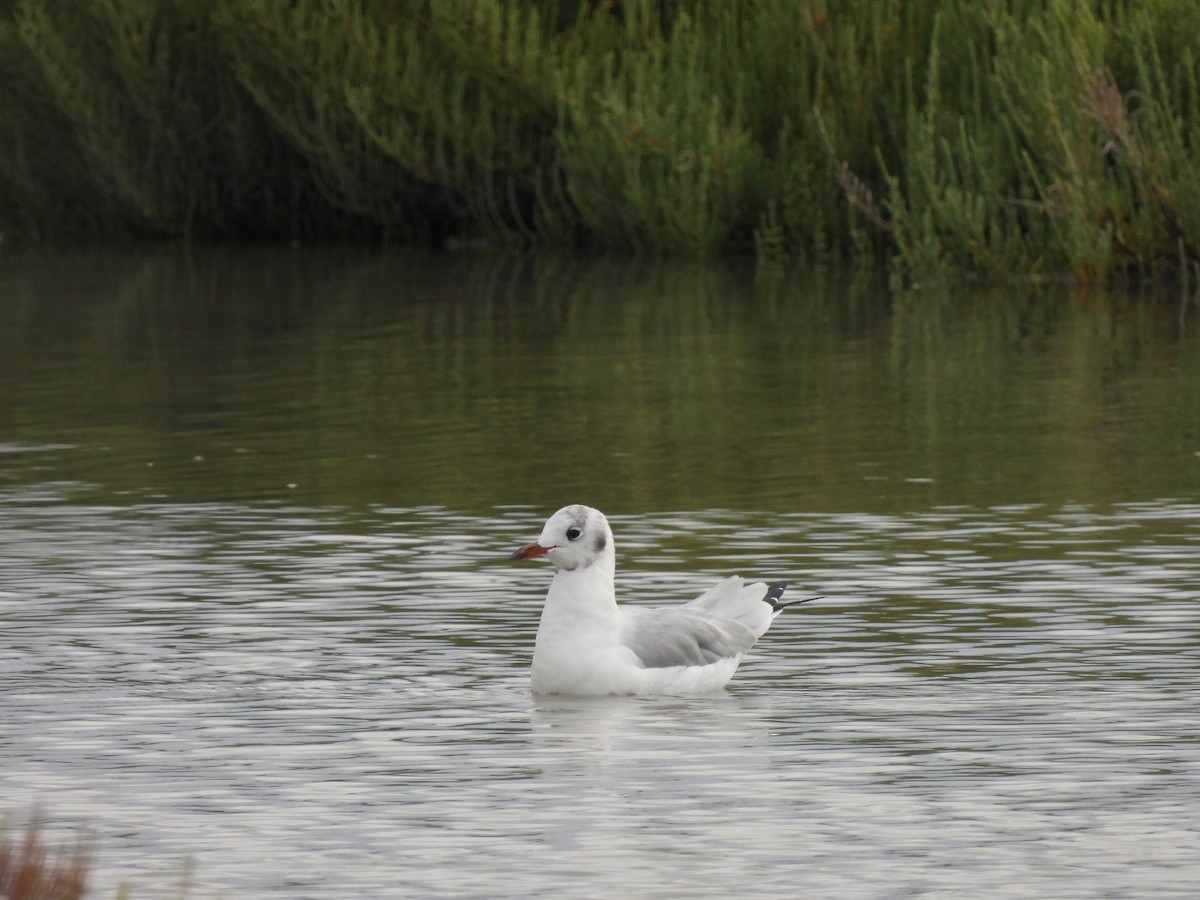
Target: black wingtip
(775, 592)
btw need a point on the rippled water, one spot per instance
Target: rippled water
(261, 635)
(319, 703)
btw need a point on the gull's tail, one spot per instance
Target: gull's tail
(775, 591)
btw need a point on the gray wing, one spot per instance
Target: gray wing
(678, 636)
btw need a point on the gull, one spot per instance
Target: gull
(588, 645)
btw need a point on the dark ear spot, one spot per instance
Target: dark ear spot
(601, 541)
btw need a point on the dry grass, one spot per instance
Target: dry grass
(29, 871)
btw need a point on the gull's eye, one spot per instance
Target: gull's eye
(573, 533)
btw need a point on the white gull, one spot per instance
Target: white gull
(588, 645)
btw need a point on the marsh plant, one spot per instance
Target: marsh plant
(1047, 138)
(31, 871)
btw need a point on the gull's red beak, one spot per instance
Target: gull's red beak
(534, 549)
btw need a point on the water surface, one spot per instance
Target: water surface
(255, 509)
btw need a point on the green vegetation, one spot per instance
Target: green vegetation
(991, 139)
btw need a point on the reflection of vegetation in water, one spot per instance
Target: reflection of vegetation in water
(472, 382)
(1071, 393)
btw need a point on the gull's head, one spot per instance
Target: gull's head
(575, 537)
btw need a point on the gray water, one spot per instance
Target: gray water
(261, 637)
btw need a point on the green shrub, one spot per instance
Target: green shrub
(955, 137)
